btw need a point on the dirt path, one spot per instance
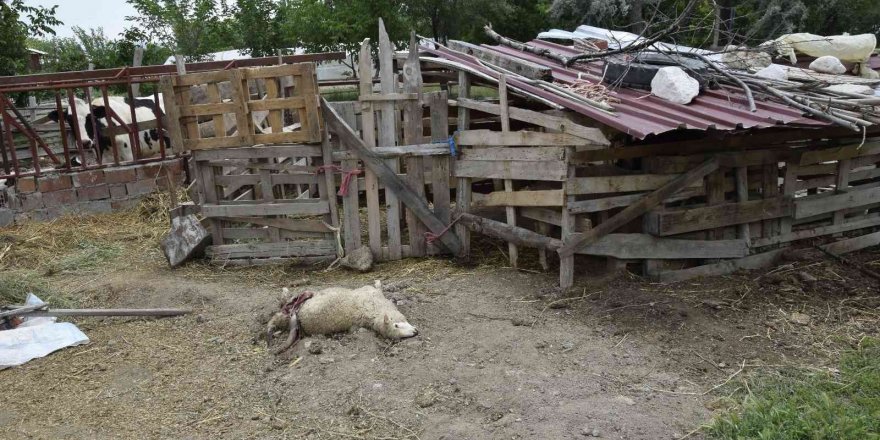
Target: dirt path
(495, 358)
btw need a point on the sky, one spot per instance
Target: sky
(108, 14)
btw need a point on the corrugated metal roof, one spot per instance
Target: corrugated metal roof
(638, 113)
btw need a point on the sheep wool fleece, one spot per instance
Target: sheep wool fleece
(337, 309)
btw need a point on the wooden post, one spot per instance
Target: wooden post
(136, 62)
(742, 195)
(567, 223)
(789, 186)
(463, 186)
(771, 191)
(368, 134)
(841, 184)
(388, 137)
(413, 134)
(508, 183)
(91, 89)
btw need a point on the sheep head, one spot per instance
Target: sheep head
(398, 330)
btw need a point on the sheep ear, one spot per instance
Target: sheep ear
(387, 321)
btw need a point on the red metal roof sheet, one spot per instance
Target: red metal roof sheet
(638, 113)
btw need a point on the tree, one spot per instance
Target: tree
(14, 32)
(322, 26)
(464, 19)
(193, 28)
(256, 25)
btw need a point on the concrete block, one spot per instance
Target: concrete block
(95, 207)
(141, 187)
(118, 191)
(120, 205)
(96, 192)
(59, 198)
(26, 184)
(120, 175)
(47, 184)
(31, 201)
(7, 217)
(88, 178)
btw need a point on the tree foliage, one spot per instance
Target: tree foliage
(193, 28)
(17, 22)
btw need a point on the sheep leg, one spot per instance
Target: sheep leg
(291, 336)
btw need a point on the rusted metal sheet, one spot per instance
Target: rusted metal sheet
(638, 113)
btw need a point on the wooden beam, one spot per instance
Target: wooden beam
(389, 178)
(727, 214)
(751, 262)
(630, 213)
(511, 234)
(646, 246)
(305, 248)
(853, 244)
(517, 138)
(562, 125)
(553, 197)
(518, 170)
(819, 231)
(810, 206)
(522, 67)
(554, 217)
(619, 184)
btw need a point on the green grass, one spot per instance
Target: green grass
(16, 284)
(88, 255)
(811, 406)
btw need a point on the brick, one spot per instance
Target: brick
(31, 201)
(26, 184)
(176, 180)
(88, 178)
(120, 175)
(47, 184)
(59, 198)
(96, 192)
(118, 191)
(140, 187)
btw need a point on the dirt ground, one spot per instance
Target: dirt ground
(501, 355)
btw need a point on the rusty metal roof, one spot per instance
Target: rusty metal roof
(638, 113)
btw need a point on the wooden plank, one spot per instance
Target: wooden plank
(412, 134)
(463, 190)
(646, 246)
(522, 67)
(515, 234)
(277, 104)
(789, 188)
(608, 203)
(568, 226)
(639, 208)
(295, 69)
(173, 127)
(751, 262)
(840, 185)
(840, 153)
(311, 248)
(853, 244)
(259, 152)
(368, 134)
(618, 184)
(715, 196)
(389, 97)
(873, 220)
(304, 208)
(770, 190)
(592, 135)
(389, 178)
(815, 205)
(555, 197)
(728, 214)
(329, 193)
(439, 108)
(522, 154)
(387, 136)
(741, 182)
(421, 150)
(517, 138)
(290, 224)
(510, 211)
(545, 170)
(553, 217)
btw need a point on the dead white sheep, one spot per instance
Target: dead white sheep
(337, 309)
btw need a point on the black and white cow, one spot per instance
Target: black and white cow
(93, 136)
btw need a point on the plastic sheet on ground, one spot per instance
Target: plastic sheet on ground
(36, 338)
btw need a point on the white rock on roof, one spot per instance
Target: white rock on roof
(828, 64)
(773, 71)
(859, 89)
(674, 85)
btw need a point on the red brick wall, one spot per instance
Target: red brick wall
(88, 192)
